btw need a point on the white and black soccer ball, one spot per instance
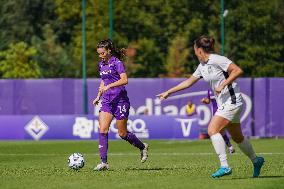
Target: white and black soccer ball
(76, 161)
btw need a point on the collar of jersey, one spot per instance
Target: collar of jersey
(205, 63)
(110, 60)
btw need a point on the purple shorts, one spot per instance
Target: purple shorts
(120, 109)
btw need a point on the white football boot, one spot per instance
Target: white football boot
(102, 167)
(144, 153)
(231, 150)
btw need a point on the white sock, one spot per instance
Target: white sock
(220, 148)
(247, 149)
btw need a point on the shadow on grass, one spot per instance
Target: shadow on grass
(260, 177)
(274, 176)
(155, 169)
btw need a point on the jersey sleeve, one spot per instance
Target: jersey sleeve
(197, 73)
(120, 67)
(223, 62)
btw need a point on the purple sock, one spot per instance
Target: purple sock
(132, 139)
(227, 140)
(103, 146)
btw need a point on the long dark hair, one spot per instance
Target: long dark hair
(206, 43)
(108, 45)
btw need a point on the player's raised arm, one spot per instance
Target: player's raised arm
(183, 85)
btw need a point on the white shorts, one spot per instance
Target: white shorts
(231, 112)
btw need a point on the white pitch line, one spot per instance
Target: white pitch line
(135, 154)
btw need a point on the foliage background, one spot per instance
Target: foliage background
(42, 39)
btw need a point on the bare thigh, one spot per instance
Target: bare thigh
(105, 119)
(216, 125)
(122, 127)
(235, 131)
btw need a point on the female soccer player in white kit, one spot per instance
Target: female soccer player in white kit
(220, 73)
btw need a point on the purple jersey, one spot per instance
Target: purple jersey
(110, 73)
(211, 96)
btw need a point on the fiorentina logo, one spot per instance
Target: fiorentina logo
(36, 128)
(83, 127)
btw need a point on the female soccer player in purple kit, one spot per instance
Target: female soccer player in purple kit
(115, 103)
(211, 99)
(221, 74)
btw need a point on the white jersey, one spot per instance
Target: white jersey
(214, 71)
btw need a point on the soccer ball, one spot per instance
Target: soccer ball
(76, 161)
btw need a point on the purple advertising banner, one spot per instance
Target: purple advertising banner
(48, 127)
(261, 116)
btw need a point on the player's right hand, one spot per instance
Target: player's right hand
(163, 95)
(205, 100)
(96, 101)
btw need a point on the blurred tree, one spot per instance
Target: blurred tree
(192, 30)
(53, 59)
(69, 13)
(150, 58)
(21, 20)
(255, 35)
(17, 62)
(129, 60)
(177, 57)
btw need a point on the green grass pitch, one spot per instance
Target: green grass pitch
(172, 164)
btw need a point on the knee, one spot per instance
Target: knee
(122, 134)
(212, 131)
(103, 129)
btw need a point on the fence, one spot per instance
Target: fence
(59, 98)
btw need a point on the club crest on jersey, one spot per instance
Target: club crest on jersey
(105, 72)
(209, 69)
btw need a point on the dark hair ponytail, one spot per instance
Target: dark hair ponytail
(108, 45)
(206, 43)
